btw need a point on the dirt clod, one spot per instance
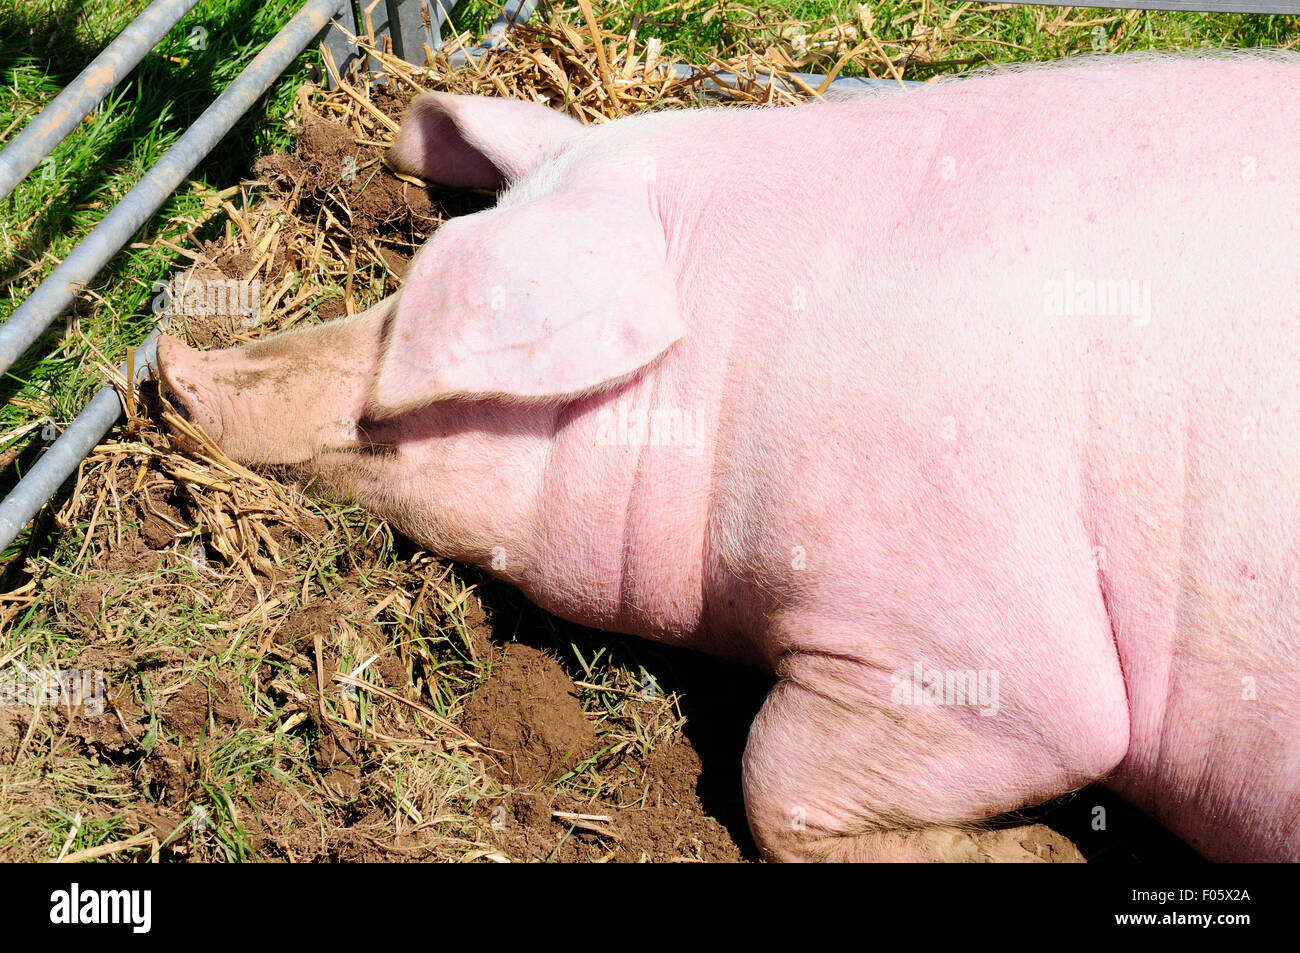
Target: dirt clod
(528, 711)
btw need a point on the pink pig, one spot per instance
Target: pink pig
(972, 413)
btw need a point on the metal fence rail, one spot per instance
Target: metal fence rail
(61, 460)
(39, 138)
(57, 291)
(60, 117)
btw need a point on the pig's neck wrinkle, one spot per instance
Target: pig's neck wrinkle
(618, 515)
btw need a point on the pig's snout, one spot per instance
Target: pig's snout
(180, 373)
(283, 400)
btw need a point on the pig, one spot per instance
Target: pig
(971, 413)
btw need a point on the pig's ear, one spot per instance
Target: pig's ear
(476, 141)
(562, 296)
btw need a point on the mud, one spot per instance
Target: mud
(528, 712)
(329, 169)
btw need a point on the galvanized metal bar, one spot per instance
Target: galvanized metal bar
(382, 15)
(403, 22)
(441, 14)
(61, 460)
(338, 38)
(57, 291)
(411, 25)
(513, 12)
(74, 103)
(410, 33)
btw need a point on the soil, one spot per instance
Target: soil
(528, 710)
(678, 802)
(378, 204)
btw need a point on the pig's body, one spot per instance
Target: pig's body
(911, 450)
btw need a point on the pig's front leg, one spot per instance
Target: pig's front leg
(847, 760)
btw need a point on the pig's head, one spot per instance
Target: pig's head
(561, 290)
(284, 400)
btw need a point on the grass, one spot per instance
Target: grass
(695, 30)
(172, 629)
